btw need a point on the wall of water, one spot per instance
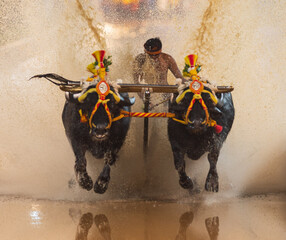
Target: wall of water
(239, 44)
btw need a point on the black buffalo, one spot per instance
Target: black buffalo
(195, 138)
(102, 133)
(98, 135)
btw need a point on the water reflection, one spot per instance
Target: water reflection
(35, 215)
(185, 221)
(212, 226)
(85, 223)
(102, 224)
(83, 227)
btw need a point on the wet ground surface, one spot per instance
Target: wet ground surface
(259, 217)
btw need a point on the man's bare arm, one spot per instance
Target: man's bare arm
(174, 69)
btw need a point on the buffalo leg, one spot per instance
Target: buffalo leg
(102, 181)
(185, 181)
(83, 179)
(212, 178)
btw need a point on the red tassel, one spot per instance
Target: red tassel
(218, 129)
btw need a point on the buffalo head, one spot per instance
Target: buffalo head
(195, 108)
(100, 106)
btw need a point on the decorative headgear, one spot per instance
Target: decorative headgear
(99, 55)
(100, 66)
(191, 68)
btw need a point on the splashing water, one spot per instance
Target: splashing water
(238, 44)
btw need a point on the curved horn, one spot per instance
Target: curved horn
(71, 88)
(59, 79)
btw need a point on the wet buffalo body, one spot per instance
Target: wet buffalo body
(195, 139)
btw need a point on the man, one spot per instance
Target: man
(152, 66)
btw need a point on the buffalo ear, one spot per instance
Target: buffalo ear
(71, 97)
(126, 101)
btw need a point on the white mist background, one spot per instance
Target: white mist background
(238, 44)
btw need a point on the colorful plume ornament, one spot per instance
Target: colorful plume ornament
(101, 61)
(99, 55)
(101, 64)
(191, 60)
(191, 67)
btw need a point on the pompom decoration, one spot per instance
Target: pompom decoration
(218, 128)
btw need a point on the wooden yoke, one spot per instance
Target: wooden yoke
(155, 88)
(162, 88)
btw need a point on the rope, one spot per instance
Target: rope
(148, 115)
(104, 103)
(156, 105)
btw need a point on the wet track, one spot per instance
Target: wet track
(251, 218)
(238, 44)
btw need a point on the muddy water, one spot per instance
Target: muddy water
(260, 218)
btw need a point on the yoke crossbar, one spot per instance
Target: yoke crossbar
(155, 88)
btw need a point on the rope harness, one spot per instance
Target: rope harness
(103, 89)
(197, 88)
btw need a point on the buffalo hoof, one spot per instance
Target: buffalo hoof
(84, 180)
(101, 186)
(186, 182)
(212, 183)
